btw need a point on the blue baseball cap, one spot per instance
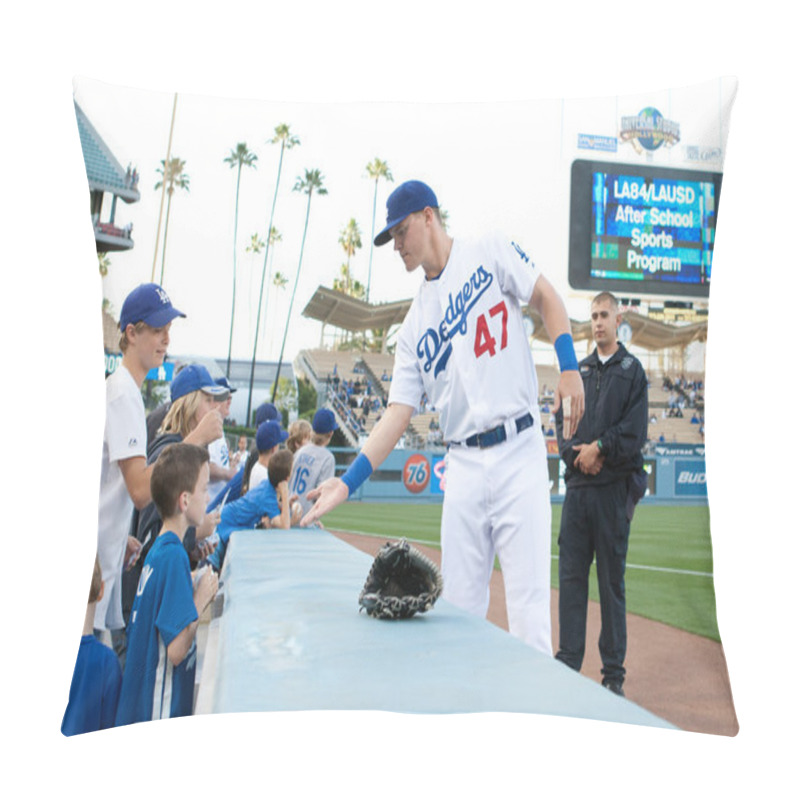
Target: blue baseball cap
(324, 421)
(407, 198)
(150, 304)
(266, 411)
(269, 434)
(223, 381)
(193, 378)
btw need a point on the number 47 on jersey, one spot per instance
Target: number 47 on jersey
(485, 342)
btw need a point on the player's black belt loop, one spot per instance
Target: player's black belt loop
(498, 434)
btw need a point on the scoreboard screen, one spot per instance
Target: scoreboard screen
(642, 230)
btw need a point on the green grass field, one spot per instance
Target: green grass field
(668, 577)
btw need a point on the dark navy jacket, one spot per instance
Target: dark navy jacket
(615, 412)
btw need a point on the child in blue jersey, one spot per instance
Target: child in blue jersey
(94, 691)
(267, 505)
(158, 681)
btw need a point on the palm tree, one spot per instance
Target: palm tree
(103, 262)
(287, 141)
(172, 176)
(309, 184)
(275, 236)
(347, 285)
(240, 157)
(376, 170)
(256, 246)
(350, 240)
(279, 281)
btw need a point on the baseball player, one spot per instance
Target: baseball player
(463, 344)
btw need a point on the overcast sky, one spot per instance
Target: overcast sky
(361, 52)
(494, 165)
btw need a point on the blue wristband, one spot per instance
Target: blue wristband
(357, 473)
(565, 351)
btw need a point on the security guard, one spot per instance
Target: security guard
(605, 479)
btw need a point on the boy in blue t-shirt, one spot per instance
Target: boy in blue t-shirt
(267, 505)
(161, 658)
(94, 691)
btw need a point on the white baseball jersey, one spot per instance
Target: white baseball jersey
(313, 464)
(463, 342)
(464, 345)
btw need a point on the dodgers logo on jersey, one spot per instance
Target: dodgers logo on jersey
(147, 571)
(429, 347)
(521, 252)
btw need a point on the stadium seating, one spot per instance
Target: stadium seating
(372, 366)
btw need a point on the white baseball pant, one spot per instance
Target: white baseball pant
(497, 501)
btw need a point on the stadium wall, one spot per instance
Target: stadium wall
(677, 474)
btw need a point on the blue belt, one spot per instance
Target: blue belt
(497, 435)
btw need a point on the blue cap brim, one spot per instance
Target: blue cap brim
(160, 318)
(384, 236)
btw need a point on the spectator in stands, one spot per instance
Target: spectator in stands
(233, 488)
(300, 432)
(314, 463)
(193, 418)
(267, 505)
(144, 323)
(239, 458)
(168, 605)
(220, 465)
(269, 437)
(94, 691)
(155, 419)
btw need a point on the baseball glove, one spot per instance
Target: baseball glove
(401, 582)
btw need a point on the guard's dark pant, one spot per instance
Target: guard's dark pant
(593, 523)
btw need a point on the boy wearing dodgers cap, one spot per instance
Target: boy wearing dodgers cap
(144, 323)
(314, 462)
(270, 498)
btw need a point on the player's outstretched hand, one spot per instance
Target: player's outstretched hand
(569, 393)
(328, 495)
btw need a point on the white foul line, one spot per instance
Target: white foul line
(554, 557)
